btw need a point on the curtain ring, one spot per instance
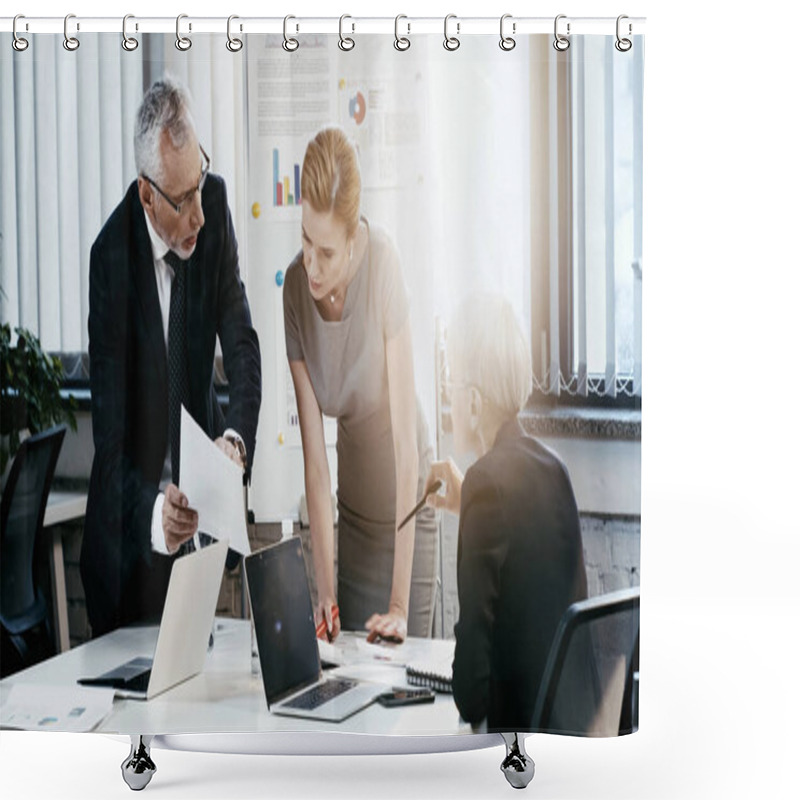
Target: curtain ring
(70, 42)
(401, 43)
(183, 43)
(560, 42)
(128, 42)
(234, 44)
(451, 43)
(346, 43)
(507, 42)
(19, 44)
(289, 44)
(623, 45)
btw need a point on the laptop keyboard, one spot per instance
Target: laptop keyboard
(317, 695)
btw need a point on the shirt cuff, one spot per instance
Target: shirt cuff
(233, 436)
(157, 540)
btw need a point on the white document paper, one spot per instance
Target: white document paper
(212, 483)
(29, 707)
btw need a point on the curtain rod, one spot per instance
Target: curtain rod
(349, 25)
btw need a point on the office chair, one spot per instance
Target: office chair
(26, 632)
(590, 682)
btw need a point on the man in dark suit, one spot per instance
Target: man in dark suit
(520, 552)
(164, 284)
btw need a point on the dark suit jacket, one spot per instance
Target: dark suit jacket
(123, 579)
(520, 566)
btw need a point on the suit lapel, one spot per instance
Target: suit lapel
(145, 281)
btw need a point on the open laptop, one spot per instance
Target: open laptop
(294, 683)
(183, 635)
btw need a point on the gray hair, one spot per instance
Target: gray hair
(487, 349)
(165, 107)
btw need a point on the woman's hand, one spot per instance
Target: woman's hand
(391, 626)
(449, 474)
(325, 612)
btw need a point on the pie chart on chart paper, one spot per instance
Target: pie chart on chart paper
(357, 108)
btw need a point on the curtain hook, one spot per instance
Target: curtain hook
(234, 44)
(401, 43)
(70, 42)
(19, 44)
(507, 42)
(183, 43)
(346, 43)
(560, 42)
(623, 45)
(128, 42)
(289, 44)
(451, 43)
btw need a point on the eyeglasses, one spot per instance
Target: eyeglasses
(186, 201)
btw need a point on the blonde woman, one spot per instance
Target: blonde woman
(520, 555)
(348, 341)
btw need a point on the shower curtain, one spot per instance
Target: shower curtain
(503, 182)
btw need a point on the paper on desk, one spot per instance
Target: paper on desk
(390, 652)
(30, 707)
(329, 652)
(213, 485)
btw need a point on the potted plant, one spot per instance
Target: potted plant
(30, 391)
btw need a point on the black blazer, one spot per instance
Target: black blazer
(123, 579)
(520, 566)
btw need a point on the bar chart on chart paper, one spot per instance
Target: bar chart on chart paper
(285, 186)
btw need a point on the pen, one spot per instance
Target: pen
(435, 486)
(322, 628)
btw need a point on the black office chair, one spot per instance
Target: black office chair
(26, 631)
(590, 683)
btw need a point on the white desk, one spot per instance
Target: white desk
(61, 507)
(227, 698)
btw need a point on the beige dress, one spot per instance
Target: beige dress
(346, 361)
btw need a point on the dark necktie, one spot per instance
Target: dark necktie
(178, 373)
(177, 359)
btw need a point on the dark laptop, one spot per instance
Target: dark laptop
(294, 683)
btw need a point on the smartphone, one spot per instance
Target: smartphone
(406, 697)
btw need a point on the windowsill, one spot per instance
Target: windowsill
(614, 424)
(83, 397)
(596, 423)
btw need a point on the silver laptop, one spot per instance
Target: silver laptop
(294, 683)
(183, 635)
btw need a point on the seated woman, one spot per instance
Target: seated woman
(520, 554)
(348, 341)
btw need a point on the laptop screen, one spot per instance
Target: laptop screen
(284, 620)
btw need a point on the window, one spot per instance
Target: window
(587, 320)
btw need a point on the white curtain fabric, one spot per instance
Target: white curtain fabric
(66, 159)
(65, 164)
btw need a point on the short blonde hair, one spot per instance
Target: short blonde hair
(487, 349)
(331, 179)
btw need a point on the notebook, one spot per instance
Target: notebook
(437, 675)
(294, 683)
(183, 634)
